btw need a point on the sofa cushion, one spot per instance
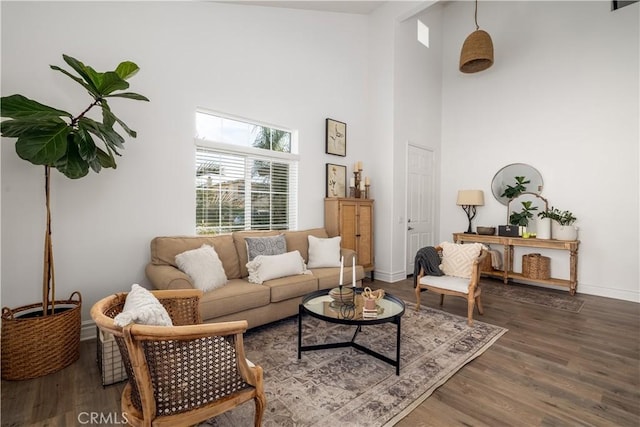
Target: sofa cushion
(452, 283)
(203, 267)
(241, 246)
(267, 267)
(165, 249)
(236, 296)
(324, 252)
(299, 240)
(289, 287)
(272, 245)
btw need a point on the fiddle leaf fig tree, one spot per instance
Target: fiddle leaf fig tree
(55, 138)
(58, 139)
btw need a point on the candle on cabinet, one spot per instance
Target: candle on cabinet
(359, 166)
(352, 182)
(367, 181)
(341, 268)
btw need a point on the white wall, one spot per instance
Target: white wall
(417, 116)
(563, 97)
(287, 67)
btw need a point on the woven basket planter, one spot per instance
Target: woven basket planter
(40, 345)
(536, 266)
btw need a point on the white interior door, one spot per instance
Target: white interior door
(420, 202)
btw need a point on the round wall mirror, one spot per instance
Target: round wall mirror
(515, 179)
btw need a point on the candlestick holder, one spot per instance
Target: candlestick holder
(366, 191)
(352, 192)
(357, 191)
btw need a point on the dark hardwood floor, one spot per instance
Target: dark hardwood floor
(553, 368)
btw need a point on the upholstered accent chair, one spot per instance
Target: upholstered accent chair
(182, 374)
(461, 265)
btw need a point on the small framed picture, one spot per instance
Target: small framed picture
(336, 138)
(336, 180)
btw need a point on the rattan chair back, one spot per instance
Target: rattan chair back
(186, 373)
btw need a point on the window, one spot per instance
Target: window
(246, 176)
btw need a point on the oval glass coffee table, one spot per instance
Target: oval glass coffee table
(321, 305)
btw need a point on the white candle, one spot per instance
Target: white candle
(359, 166)
(362, 185)
(353, 271)
(341, 268)
(367, 181)
(352, 182)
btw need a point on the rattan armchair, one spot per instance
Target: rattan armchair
(456, 286)
(183, 374)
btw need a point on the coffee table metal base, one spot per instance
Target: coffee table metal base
(352, 343)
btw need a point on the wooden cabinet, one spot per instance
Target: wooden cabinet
(352, 219)
(509, 242)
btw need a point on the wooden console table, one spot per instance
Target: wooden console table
(509, 242)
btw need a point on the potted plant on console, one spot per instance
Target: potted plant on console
(562, 227)
(522, 218)
(42, 338)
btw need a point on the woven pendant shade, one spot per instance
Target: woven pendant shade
(477, 52)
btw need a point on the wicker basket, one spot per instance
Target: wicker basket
(37, 346)
(486, 264)
(536, 266)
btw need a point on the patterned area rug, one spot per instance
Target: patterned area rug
(344, 386)
(560, 300)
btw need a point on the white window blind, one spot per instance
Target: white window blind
(244, 188)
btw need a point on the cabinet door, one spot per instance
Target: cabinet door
(348, 225)
(365, 234)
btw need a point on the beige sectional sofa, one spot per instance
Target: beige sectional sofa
(239, 299)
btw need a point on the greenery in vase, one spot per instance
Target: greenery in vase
(522, 218)
(57, 139)
(513, 192)
(561, 217)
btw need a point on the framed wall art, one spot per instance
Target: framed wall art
(336, 180)
(336, 138)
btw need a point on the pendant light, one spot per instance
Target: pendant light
(477, 50)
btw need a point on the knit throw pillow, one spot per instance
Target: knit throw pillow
(142, 307)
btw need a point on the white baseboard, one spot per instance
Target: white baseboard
(622, 294)
(388, 277)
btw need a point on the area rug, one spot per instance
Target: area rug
(344, 386)
(537, 295)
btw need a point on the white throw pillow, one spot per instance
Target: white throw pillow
(324, 252)
(457, 259)
(267, 267)
(142, 307)
(204, 267)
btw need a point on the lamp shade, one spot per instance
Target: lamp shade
(470, 198)
(477, 52)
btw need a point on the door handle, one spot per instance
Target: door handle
(409, 228)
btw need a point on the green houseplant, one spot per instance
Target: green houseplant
(562, 227)
(57, 139)
(561, 217)
(522, 218)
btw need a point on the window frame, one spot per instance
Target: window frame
(251, 154)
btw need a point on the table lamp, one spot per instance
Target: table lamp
(469, 199)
